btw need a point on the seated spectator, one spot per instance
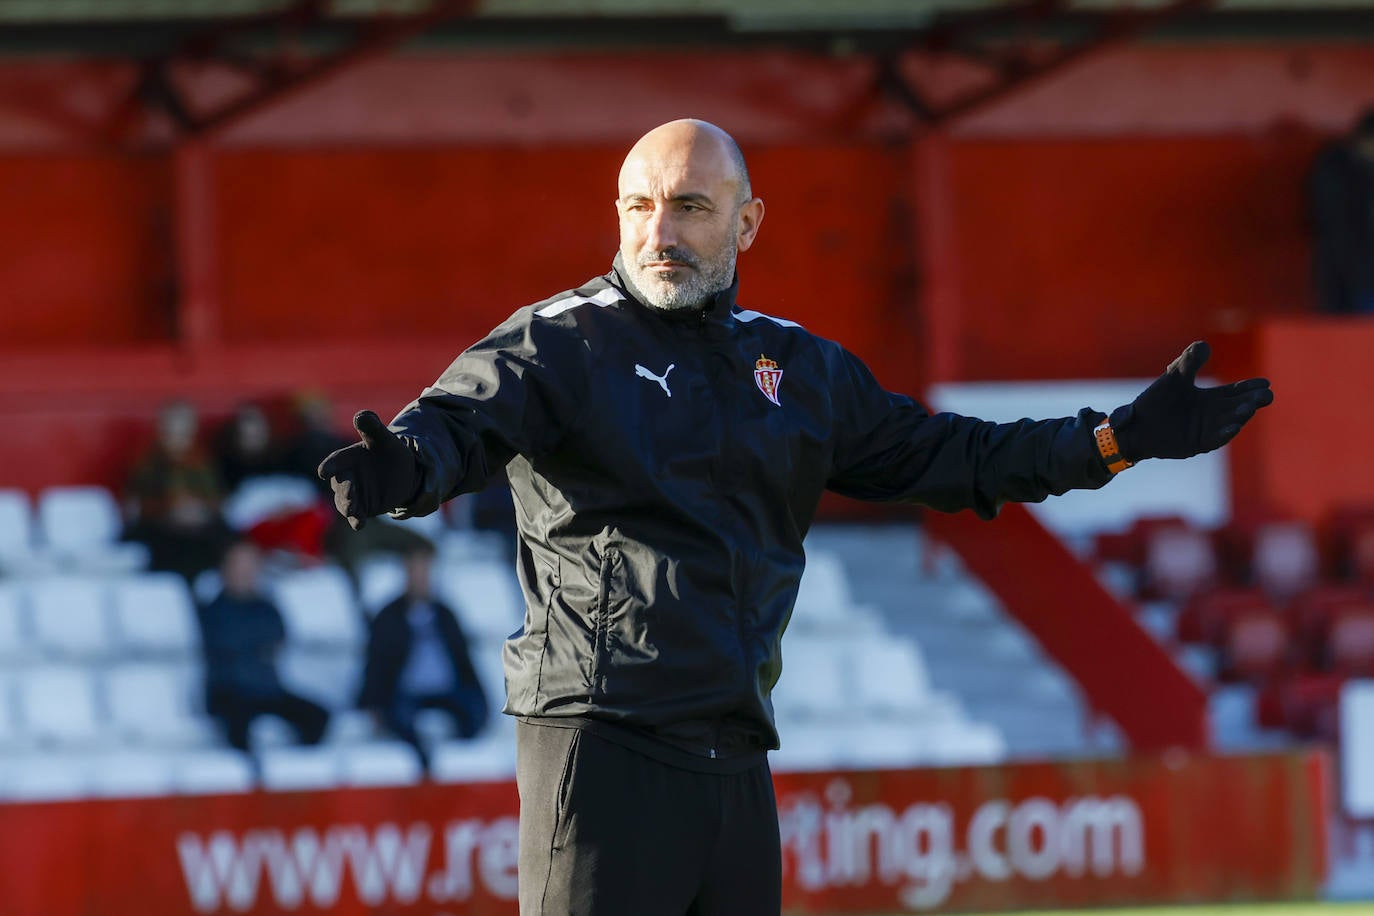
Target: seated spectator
(244, 448)
(317, 437)
(173, 498)
(242, 632)
(417, 658)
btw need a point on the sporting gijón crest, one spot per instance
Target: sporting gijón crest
(768, 377)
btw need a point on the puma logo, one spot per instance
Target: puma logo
(661, 379)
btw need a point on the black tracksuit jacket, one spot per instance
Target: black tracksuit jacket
(662, 495)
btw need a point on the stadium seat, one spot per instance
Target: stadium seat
(329, 676)
(155, 616)
(69, 617)
(1311, 613)
(483, 759)
(1285, 559)
(18, 553)
(212, 772)
(968, 744)
(13, 638)
(485, 596)
(380, 763)
(1205, 618)
(1256, 647)
(130, 774)
(81, 526)
(318, 608)
(381, 579)
(350, 726)
(286, 769)
(260, 498)
(890, 677)
(815, 681)
(12, 737)
(57, 706)
(45, 777)
(807, 747)
(155, 704)
(823, 599)
(1351, 643)
(1179, 562)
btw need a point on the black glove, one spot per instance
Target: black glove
(373, 476)
(1174, 418)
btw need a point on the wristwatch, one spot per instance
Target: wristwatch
(1111, 452)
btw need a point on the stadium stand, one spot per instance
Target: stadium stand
(103, 697)
(1282, 620)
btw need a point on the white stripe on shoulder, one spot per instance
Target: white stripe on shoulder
(604, 298)
(750, 315)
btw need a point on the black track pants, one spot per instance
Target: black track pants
(607, 831)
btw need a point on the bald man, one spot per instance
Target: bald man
(667, 450)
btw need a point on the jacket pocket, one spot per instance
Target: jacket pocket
(607, 593)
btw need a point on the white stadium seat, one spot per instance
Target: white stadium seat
(488, 757)
(286, 769)
(381, 579)
(814, 681)
(823, 600)
(154, 615)
(45, 777)
(57, 706)
(318, 608)
(81, 525)
(260, 498)
(130, 774)
(380, 763)
(70, 617)
(155, 704)
(212, 772)
(485, 596)
(17, 541)
(329, 677)
(891, 677)
(13, 638)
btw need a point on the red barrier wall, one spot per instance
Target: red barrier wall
(85, 252)
(1121, 668)
(1086, 834)
(1089, 258)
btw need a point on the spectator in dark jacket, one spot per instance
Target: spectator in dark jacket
(242, 632)
(417, 658)
(1341, 198)
(172, 500)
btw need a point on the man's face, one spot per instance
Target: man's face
(682, 222)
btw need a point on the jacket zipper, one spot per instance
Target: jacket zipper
(603, 599)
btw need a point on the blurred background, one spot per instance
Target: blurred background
(227, 225)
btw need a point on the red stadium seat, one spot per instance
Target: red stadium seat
(1311, 613)
(1206, 617)
(1307, 705)
(1284, 560)
(1179, 562)
(1351, 642)
(1257, 647)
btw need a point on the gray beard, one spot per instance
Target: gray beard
(689, 292)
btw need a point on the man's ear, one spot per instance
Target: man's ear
(750, 217)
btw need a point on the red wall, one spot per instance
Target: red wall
(397, 243)
(1104, 257)
(84, 249)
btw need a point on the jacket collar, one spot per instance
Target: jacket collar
(717, 310)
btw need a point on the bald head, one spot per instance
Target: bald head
(690, 145)
(686, 210)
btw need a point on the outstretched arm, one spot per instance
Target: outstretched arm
(888, 447)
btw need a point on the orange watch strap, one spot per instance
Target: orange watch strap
(1111, 452)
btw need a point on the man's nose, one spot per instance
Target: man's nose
(660, 234)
